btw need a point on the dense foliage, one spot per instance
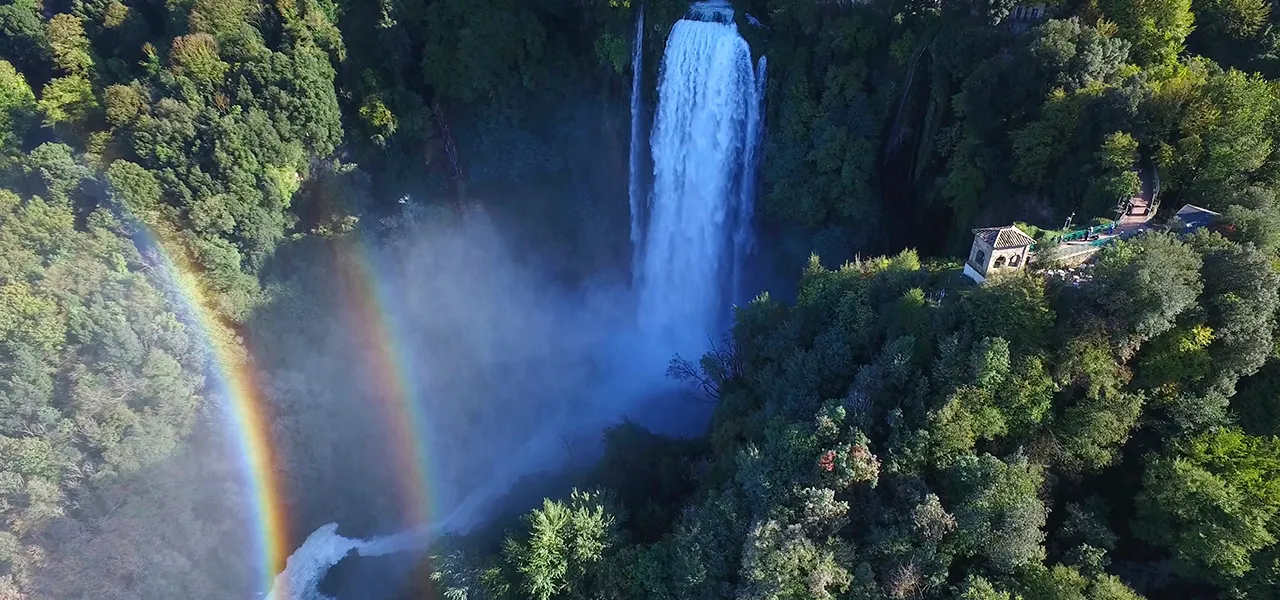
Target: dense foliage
(902, 433)
(893, 432)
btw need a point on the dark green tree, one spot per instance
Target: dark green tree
(1212, 502)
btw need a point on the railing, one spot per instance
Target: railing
(1076, 235)
(1081, 234)
(1155, 187)
(1155, 182)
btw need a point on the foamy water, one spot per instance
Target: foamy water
(704, 144)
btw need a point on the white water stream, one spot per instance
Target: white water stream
(704, 144)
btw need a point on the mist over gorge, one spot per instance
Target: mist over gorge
(594, 354)
(510, 373)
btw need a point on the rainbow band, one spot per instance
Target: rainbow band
(374, 324)
(234, 380)
(242, 401)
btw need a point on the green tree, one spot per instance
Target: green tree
(1239, 19)
(1156, 28)
(563, 543)
(69, 45)
(1258, 401)
(821, 152)
(1212, 502)
(78, 307)
(1225, 130)
(1177, 359)
(53, 173)
(17, 109)
(1072, 55)
(1086, 537)
(779, 561)
(68, 100)
(998, 513)
(1241, 300)
(1099, 414)
(137, 191)
(706, 546)
(1013, 308)
(1065, 583)
(476, 51)
(976, 587)
(1144, 284)
(195, 57)
(122, 104)
(1259, 226)
(1119, 182)
(23, 41)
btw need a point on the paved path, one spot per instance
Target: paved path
(1136, 220)
(1141, 210)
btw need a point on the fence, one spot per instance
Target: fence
(1080, 234)
(1155, 182)
(1075, 236)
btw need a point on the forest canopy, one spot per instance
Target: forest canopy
(891, 431)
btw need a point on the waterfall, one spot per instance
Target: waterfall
(743, 238)
(635, 189)
(704, 147)
(691, 234)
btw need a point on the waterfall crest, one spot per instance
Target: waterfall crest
(704, 146)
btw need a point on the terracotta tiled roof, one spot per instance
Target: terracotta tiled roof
(1003, 237)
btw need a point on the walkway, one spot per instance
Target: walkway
(1141, 209)
(1135, 220)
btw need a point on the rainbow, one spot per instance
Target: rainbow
(234, 381)
(242, 399)
(375, 326)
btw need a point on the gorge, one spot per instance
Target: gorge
(691, 232)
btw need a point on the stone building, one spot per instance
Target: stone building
(1026, 12)
(995, 250)
(1024, 16)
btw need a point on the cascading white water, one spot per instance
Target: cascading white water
(704, 152)
(635, 188)
(743, 240)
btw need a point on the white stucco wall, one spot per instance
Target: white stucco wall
(972, 274)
